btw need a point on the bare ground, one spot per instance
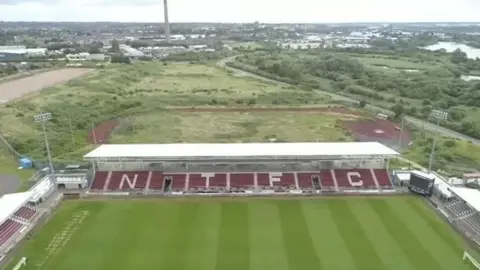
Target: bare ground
(15, 89)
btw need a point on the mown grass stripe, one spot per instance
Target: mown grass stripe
(411, 242)
(149, 244)
(298, 244)
(233, 240)
(180, 236)
(203, 247)
(360, 247)
(91, 230)
(405, 238)
(435, 222)
(326, 238)
(446, 257)
(123, 219)
(266, 239)
(385, 245)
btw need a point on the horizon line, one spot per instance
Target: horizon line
(224, 22)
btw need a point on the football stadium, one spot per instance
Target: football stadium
(185, 166)
(236, 206)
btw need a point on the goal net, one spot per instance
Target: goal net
(474, 263)
(22, 262)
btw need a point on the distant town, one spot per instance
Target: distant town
(22, 42)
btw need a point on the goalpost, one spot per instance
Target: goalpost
(22, 262)
(471, 259)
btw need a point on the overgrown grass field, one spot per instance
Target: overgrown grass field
(238, 127)
(355, 233)
(122, 91)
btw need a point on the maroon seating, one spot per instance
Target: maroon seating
(276, 179)
(156, 181)
(218, 180)
(8, 229)
(99, 180)
(197, 181)
(242, 180)
(383, 178)
(25, 212)
(305, 179)
(128, 180)
(326, 179)
(178, 181)
(263, 179)
(354, 178)
(286, 180)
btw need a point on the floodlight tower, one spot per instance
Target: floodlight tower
(439, 115)
(42, 118)
(167, 24)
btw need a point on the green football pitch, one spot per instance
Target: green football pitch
(388, 233)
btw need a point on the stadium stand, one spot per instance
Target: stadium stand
(25, 213)
(353, 178)
(8, 229)
(15, 216)
(240, 167)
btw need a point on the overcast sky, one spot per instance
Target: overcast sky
(241, 10)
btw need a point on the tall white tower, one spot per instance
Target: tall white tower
(167, 24)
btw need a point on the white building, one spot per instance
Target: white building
(23, 50)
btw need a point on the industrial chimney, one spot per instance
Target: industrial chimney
(167, 24)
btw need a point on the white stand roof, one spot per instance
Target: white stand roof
(469, 195)
(10, 203)
(240, 150)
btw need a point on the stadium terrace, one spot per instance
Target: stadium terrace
(250, 167)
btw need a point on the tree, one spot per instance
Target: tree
(458, 57)
(115, 46)
(362, 103)
(398, 109)
(118, 58)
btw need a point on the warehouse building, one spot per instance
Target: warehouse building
(19, 53)
(11, 57)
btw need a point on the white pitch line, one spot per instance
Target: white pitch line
(62, 237)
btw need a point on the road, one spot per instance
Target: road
(409, 119)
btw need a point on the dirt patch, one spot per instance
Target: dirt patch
(15, 89)
(383, 131)
(101, 132)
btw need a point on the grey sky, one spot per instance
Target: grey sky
(242, 10)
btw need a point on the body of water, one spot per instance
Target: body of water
(469, 77)
(452, 46)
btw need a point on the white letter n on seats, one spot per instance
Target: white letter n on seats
(131, 184)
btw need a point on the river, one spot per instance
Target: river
(471, 52)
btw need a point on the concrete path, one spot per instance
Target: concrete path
(9, 184)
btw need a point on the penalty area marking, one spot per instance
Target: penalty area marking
(62, 237)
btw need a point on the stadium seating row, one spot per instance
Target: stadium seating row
(326, 179)
(463, 215)
(11, 226)
(8, 229)
(25, 213)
